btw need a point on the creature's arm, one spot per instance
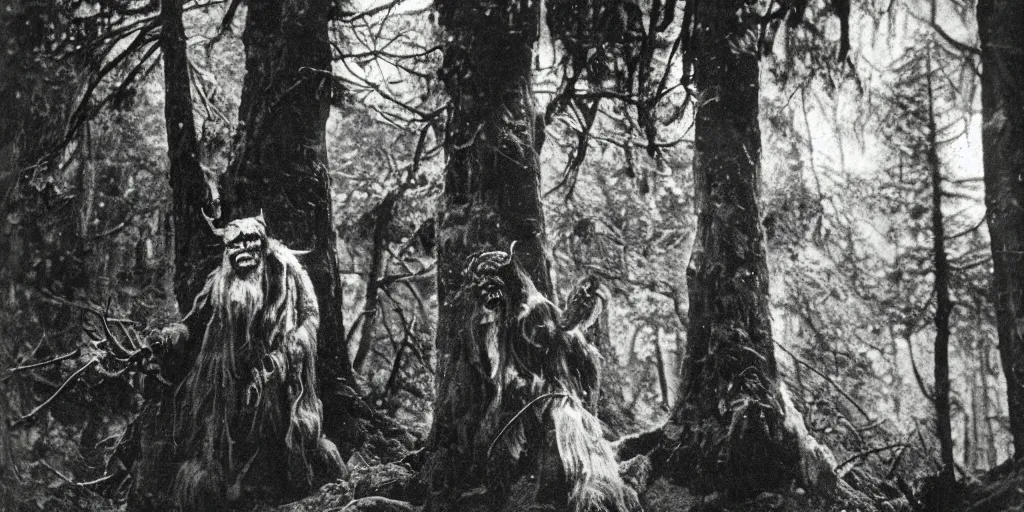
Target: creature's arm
(170, 339)
(172, 347)
(296, 352)
(298, 347)
(584, 363)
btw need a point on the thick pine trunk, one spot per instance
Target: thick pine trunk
(1001, 27)
(491, 199)
(280, 167)
(728, 416)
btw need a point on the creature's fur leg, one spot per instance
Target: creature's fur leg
(312, 458)
(199, 486)
(590, 471)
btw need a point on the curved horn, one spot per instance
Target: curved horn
(511, 252)
(209, 221)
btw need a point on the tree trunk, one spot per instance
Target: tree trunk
(943, 304)
(384, 214)
(991, 452)
(491, 199)
(280, 167)
(195, 247)
(1001, 28)
(615, 414)
(973, 454)
(729, 418)
(150, 452)
(492, 179)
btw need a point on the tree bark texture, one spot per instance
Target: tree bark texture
(728, 416)
(279, 167)
(491, 197)
(196, 248)
(492, 179)
(1001, 28)
(150, 452)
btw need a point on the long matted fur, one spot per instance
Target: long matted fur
(540, 376)
(251, 393)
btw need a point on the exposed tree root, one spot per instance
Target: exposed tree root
(394, 481)
(816, 486)
(378, 504)
(645, 469)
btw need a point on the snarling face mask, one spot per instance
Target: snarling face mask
(486, 274)
(245, 242)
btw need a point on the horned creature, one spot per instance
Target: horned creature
(538, 376)
(247, 417)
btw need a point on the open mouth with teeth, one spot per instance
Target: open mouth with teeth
(245, 260)
(491, 296)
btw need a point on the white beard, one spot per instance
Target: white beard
(244, 295)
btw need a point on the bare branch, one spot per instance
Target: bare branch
(866, 453)
(828, 379)
(64, 357)
(60, 390)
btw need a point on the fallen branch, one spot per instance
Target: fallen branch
(377, 504)
(867, 453)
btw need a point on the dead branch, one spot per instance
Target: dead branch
(828, 379)
(899, 455)
(64, 357)
(572, 168)
(408, 327)
(60, 390)
(964, 47)
(408, 276)
(867, 453)
(917, 374)
(350, 17)
(69, 480)
(225, 24)
(90, 308)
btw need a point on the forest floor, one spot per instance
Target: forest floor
(1000, 490)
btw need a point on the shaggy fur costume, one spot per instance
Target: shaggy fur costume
(536, 376)
(248, 418)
